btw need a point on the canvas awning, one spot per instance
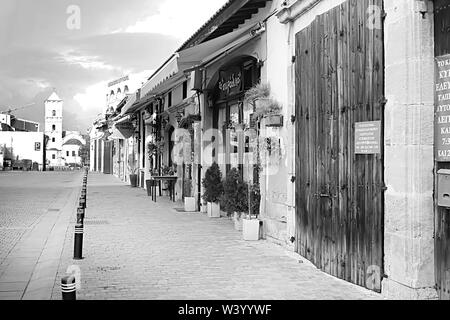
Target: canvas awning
(123, 128)
(127, 108)
(173, 69)
(167, 70)
(203, 53)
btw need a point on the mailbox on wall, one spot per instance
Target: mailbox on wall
(443, 188)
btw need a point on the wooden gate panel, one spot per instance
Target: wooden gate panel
(339, 78)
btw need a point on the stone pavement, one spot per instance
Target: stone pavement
(137, 249)
(35, 208)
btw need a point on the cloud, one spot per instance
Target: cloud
(93, 98)
(177, 18)
(38, 52)
(133, 52)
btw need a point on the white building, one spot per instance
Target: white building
(53, 129)
(71, 145)
(17, 146)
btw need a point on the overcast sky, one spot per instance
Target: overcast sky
(39, 52)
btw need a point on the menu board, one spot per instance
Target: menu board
(368, 137)
(442, 109)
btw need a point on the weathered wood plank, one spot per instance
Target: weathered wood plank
(341, 222)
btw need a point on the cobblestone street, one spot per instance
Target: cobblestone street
(137, 249)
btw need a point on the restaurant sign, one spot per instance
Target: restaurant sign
(230, 82)
(442, 109)
(368, 137)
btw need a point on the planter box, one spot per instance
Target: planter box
(190, 204)
(274, 120)
(237, 219)
(213, 210)
(250, 229)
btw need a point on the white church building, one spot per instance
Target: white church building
(63, 147)
(54, 130)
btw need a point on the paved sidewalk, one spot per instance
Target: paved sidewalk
(137, 249)
(39, 205)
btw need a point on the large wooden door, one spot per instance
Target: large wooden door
(442, 220)
(340, 194)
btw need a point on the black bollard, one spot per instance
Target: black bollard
(78, 243)
(82, 202)
(80, 216)
(68, 288)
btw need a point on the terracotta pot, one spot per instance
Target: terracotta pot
(133, 180)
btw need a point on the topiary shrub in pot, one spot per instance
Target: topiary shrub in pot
(213, 187)
(235, 197)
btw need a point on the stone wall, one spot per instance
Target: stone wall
(409, 226)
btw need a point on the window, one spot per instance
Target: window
(67, 153)
(184, 90)
(53, 127)
(53, 140)
(169, 99)
(53, 156)
(54, 113)
(73, 153)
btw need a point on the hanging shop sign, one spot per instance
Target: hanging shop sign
(368, 137)
(230, 82)
(442, 109)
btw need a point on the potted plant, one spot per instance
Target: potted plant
(132, 170)
(235, 197)
(251, 224)
(264, 105)
(213, 187)
(133, 176)
(190, 203)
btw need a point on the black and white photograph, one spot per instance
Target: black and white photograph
(235, 152)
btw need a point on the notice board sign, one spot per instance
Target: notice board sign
(442, 109)
(368, 137)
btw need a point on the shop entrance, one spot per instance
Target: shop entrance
(339, 177)
(232, 114)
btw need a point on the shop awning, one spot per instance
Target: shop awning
(173, 69)
(122, 128)
(127, 108)
(167, 70)
(203, 53)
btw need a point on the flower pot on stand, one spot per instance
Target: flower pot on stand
(237, 219)
(189, 204)
(133, 180)
(213, 210)
(250, 229)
